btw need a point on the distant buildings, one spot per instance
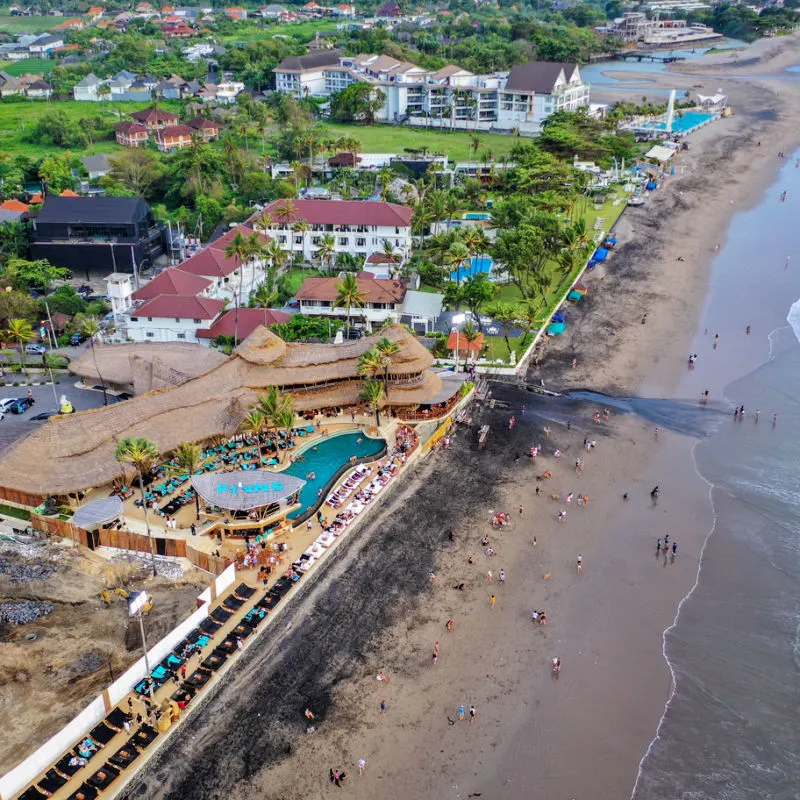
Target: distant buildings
(638, 27)
(450, 97)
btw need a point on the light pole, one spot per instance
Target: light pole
(458, 319)
(137, 605)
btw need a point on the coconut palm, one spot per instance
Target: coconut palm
(90, 327)
(273, 401)
(21, 332)
(370, 362)
(470, 334)
(456, 257)
(239, 251)
(422, 219)
(287, 210)
(187, 460)
(476, 241)
(373, 395)
(263, 223)
(256, 423)
(256, 251)
(506, 314)
(326, 251)
(141, 454)
(284, 421)
(348, 295)
(386, 348)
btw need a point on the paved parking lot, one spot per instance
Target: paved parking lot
(14, 426)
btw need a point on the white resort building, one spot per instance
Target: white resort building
(450, 97)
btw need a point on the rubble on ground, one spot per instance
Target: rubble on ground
(21, 612)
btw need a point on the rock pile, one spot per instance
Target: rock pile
(22, 573)
(21, 612)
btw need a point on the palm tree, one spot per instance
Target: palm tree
(256, 423)
(20, 331)
(90, 328)
(420, 222)
(327, 250)
(188, 459)
(302, 227)
(385, 179)
(470, 334)
(141, 454)
(256, 250)
(263, 223)
(456, 256)
(348, 295)
(287, 210)
(506, 314)
(284, 421)
(238, 250)
(370, 362)
(373, 395)
(386, 348)
(475, 241)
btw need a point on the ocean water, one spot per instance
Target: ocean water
(729, 731)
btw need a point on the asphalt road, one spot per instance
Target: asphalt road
(15, 426)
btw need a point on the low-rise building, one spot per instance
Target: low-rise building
(46, 44)
(203, 128)
(88, 88)
(173, 137)
(172, 318)
(131, 134)
(155, 119)
(98, 166)
(358, 227)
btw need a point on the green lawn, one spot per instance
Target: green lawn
(397, 138)
(16, 118)
(37, 66)
(18, 25)
(256, 31)
(297, 275)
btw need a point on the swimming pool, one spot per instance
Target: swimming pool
(325, 458)
(477, 265)
(684, 124)
(476, 215)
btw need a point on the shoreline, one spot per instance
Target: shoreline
(533, 736)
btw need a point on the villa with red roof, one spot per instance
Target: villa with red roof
(358, 227)
(155, 119)
(173, 318)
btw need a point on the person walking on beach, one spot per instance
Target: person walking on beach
(674, 549)
(472, 714)
(450, 624)
(666, 543)
(492, 601)
(580, 563)
(489, 576)
(362, 765)
(521, 509)
(774, 420)
(658, 545)
(502, 576)
(461, 712)
(655, 434)
(756, 415)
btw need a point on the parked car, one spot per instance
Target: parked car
(43, 416)
(6, 403)
(121, 397)
(21, 405)
(77, 338)
(36, 349)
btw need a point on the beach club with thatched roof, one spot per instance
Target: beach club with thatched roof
(72, 454)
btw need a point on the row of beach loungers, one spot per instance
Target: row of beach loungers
(73, 761)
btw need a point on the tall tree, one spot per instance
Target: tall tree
(21, 332)
(141, 454)
(373, 395)
(506, 314)
(91, 328)
(188, 459)
(387, 349)
(238, 250)
(348, 294)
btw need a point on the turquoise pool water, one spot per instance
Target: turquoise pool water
(476, 266)
(476, 215)
(325, 458)
(688, 122)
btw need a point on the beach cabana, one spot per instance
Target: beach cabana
(577, 292)
(600, 255)
(556, 329)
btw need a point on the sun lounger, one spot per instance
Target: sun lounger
(144, 737)
(171, 663)
(102, 733)
(214, 661)
(32, 793)
(281, 586)
(51, 782)
(244, 591)
(209, 626)
(227, 645)
(186, 688)
(232, 603)
(125, 756)
(242, 630)
(254, 616)
(104, 777)
(199, 678)
(220, 615)
(116, 719)
(267, 602)
(86, 792)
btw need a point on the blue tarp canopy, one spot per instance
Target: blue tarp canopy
(556, 329)
(601, 254)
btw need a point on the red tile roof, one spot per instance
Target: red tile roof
(175, 306)
(342, 212)
(211, 262)
(202, 123)
(172, 281)
(375, 290)
(249, 320)
(14, 205)
(383, 258)
(129, 127)
(69, 193)
(174, 132)
(457, 340)
(154, 115)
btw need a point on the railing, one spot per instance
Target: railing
(431, 413)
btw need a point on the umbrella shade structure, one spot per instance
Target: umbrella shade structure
(98, 512)
(575, 295)
(601, 254)
(556, 329)
(244, 490)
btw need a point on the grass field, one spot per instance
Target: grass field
(19, 25)
(397, 138)
(37, 66)
(16, 118)
(254, 31)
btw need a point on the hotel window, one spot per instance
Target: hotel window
(134, 319)
(149, 319)
(298, 240)
(181, 335)
(361, 242)
(282, 239)
(343, 241)
(177, 319)
(197, 321)
(149, 334)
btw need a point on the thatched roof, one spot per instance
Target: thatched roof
(146, 366)
(76, 452)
